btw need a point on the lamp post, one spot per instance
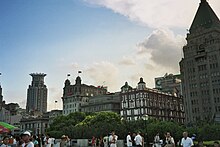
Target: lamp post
(145, 118)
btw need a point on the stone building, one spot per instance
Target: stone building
(200, 66)
(108, 102)
(169, 83)
(142, 101)
(74, 96)
(37, 94)
(36, 124)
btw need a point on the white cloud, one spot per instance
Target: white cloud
(128, 61)
(163, 47)
(103, 73)
(158, 13)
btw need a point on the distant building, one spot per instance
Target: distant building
(5, 115)
(169, 83)
(141, 101)
(200, 66)
(108, 102)
(53, 114)
(12, 107)
(37, 94)
(74, 96)
(36, 124)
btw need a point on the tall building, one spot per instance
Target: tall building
(141, 101)
(200, 66)
(74, 96)
(37, 94)
(169, 83)
(1, 98)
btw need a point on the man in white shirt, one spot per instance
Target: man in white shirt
(49, 142)
(128, 139)
(26, 136)
(186, 141)
(113, 139)
(138, 140)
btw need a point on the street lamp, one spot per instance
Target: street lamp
(145, 118)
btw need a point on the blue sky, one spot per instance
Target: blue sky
(110, 42)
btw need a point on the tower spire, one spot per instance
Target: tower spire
(205, 18)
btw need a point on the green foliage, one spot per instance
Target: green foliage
(85, 125)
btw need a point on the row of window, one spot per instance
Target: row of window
(69, 111)
(70, 105)
(216, 91)
(76, 99)
(195, 102)
(149, 96)
(217, 108)
(149, 103)
(143, 111)
(216, 99)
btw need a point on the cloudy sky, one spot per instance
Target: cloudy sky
(110, 41)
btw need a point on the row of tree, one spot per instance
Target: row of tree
(85, 125)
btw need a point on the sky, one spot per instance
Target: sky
(110, 41)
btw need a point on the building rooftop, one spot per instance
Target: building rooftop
(205, 17)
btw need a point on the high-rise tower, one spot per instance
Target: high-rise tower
(1, 97)
(37, 94)
(200, 67)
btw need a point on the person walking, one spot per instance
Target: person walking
(169, 142)
(138, 140)
(186, 141)
(128, 139)
(26, 137)
(157, 142)
(113, 139)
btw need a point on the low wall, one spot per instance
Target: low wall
(87, 143)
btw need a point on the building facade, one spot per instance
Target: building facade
(36, 124)
(108, 102)
(37, 94)
(1, 97)
(200, 66)
(141, 101)
(74, 96)
(169, 83)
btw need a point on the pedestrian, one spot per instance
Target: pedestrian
(49, 141)
(64, 141)
(128, 139)
(26, 137)
(216, 144)
(132, 138)
(36, 143)
(93, 141)
(186, 141)
(169, 142)
(5, 142)
(101, 142)
(113, 139)
(157, 142)
(105, 140)
(138, 140)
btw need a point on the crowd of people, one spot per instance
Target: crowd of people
(26, 139)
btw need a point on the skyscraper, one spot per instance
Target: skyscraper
(37, 94)
(1, 97)
(200, 67)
